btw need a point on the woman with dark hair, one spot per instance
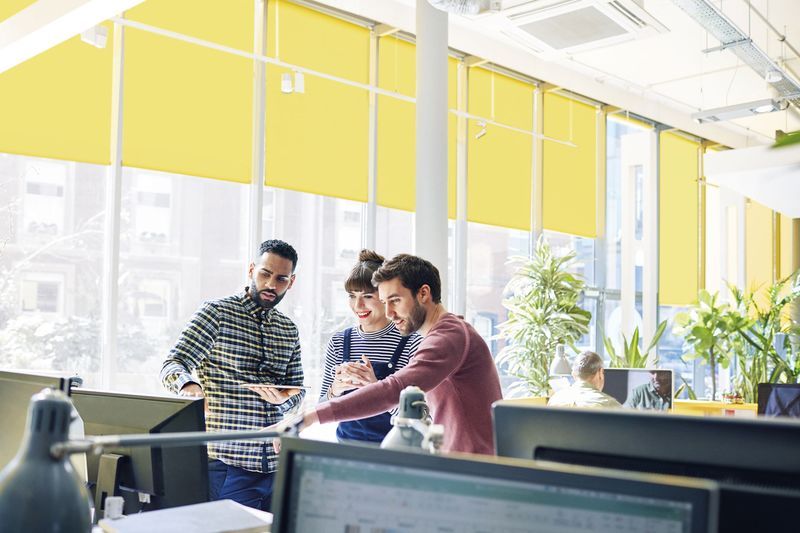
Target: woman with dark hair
(365, 353)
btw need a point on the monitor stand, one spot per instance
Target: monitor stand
(108, 477)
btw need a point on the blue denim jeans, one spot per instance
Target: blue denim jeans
(252, 489)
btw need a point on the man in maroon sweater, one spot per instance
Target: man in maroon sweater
(452, 365)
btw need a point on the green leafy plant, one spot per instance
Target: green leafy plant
(543, 312)
(755, 349)
(709, 329)
(632, 356)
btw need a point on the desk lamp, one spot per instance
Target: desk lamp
(41, 492)
(412, 424)
(560, 365)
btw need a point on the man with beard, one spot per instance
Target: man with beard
(453, 365)
(235, 340)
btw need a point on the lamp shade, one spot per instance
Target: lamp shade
(37, 492)
(412, 407)
(560, 365)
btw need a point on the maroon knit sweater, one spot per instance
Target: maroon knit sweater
(454, 367)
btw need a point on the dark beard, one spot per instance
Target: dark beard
(264, 304)
(415, 319)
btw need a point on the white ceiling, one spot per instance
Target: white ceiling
(665, 77)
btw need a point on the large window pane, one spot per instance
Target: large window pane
(395, 232)
(51, 257)
(182, 241)
(488, 250)
(326, 232)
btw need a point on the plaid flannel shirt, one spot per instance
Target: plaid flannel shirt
(229, 342)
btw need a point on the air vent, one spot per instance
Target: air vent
(572, 26)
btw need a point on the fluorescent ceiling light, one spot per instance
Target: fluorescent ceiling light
(738, 111)
(46, 23)
(465, 7)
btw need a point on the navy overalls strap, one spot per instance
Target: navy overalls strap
(376, 427)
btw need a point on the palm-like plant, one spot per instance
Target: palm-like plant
(758, 360)
(543, 312)
(710, 330)
(632, 356)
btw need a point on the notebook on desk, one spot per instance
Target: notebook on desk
(222, 516)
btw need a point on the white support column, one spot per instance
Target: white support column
(628, 242)
(600, 228)
(650, 242)
(430, 221)
(462, 227)
(369, 222)
(537, 169)
(112, 223)
(258, 160)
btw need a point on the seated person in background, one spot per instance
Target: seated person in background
(656, 394)
(587, 391)
(366, 353)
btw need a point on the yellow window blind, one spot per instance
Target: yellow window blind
(499, 159)
(787, 247)
(317, 140)
(228, 23)
(569, 173)
(58, 104)
(396, 147)
(758, 246)
(187, 108)
(678, 219)
(12, 7)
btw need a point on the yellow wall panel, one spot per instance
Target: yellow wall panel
(187, 109)
(308, 38)
(570, 173)
(58, 104)
(499, 170)
(229, 23)
(758, 246)
(317, 141)
(678, 219)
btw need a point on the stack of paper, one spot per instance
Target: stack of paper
(223, 516)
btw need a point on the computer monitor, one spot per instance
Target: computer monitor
(755, 461)
(323, 486)
(146, 477)
(16, 390)
(779, 399)
(640, 388)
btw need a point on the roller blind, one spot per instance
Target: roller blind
(758, 246)
(187, 109)
(58, 104)
(396, 146)
(499, 159)
(317, 140)
(12, 7)
(569, 173)
(678, 220)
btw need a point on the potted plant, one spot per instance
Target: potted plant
(632, 356)
(710, 330)
(543, 312)
(756, 349)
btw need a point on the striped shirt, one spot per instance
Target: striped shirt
(378, 346)
(229, 342)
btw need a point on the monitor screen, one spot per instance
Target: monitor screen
(147, 477)
(755, 461)
(779, 399)
(640, 388)
(16, 390)
(346, 487)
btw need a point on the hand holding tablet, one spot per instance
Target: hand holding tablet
(274, 394)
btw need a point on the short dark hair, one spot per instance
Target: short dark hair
(360, 278)
(414, 272)
(281, 248)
